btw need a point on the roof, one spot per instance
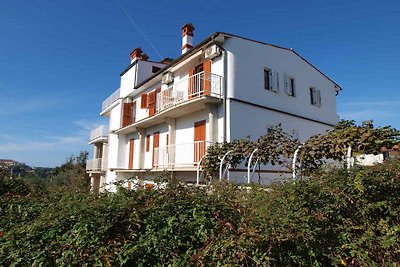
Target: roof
(209, 39)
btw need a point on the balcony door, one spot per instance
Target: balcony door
(131, 151)
(156, 144)
(199, 140)
(199, 79)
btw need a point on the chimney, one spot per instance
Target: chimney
(166, 60)
(136, 54)
(187, 37)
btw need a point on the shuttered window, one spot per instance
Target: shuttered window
(147, 143)
(315, 97)
(271, 80)
(127, 114)
(207, 77)
(289, 84)
(152, 103)
(143, 101)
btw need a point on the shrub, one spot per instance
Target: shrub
(332, 218)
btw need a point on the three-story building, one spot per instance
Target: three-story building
(165, 114)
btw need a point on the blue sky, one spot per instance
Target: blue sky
(60, 59)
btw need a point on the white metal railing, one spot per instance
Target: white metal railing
(99, 132)
(200, 84)
(180, 155)
(96, 165)
(111, 99)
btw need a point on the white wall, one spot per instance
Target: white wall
(247, 61)
(137, 74)
(145, 70)
(163, 130)
(253, 121)
(128, 81)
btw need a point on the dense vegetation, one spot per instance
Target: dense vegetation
(332, 218)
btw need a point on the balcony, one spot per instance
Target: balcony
(100, 134)
(180, 156)
(109, 101)
(183, 97)
(96, 165)
(198, 85)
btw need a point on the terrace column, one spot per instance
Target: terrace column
(142, 138)
(171, 140)
(104, 157)
(102, 183)
(212, 130)
(95, 151)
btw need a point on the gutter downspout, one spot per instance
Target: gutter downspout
(224, 98)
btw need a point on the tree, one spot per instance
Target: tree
(72, 174)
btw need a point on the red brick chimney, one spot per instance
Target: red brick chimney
(187, 37)
(136, 54)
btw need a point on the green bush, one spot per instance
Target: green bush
(330, 219)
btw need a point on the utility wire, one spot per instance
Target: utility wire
(138, 28)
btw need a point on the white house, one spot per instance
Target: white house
(165, 114)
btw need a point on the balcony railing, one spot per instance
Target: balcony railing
(100, 132)
(95, 165)
(179, 155)
(200, 84)
(111, 99)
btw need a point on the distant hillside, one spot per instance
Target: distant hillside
(15, 168)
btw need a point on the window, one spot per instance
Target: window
(289, 84)
(268, 79)
(271, 80)
(148, 143)
(291, 87)
(315, 97)
(143, 101)
(155, 69)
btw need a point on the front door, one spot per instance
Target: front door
(199, 140)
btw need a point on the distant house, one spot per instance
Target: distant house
(165, 114)
(7, 162)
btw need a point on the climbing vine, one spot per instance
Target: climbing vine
(277, 147)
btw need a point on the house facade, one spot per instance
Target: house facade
(165, 114)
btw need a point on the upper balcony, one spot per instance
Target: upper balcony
(100, 134)
(105, 107)
(185, 96)
(196, 86)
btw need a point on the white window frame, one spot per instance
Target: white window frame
(273, 80)
(315, 96)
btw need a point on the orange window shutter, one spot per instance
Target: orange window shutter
(143, 99)
(127, 114)
(131, 152)
(152, 103)
(207, 77)
(156, 144)
(191, 83)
